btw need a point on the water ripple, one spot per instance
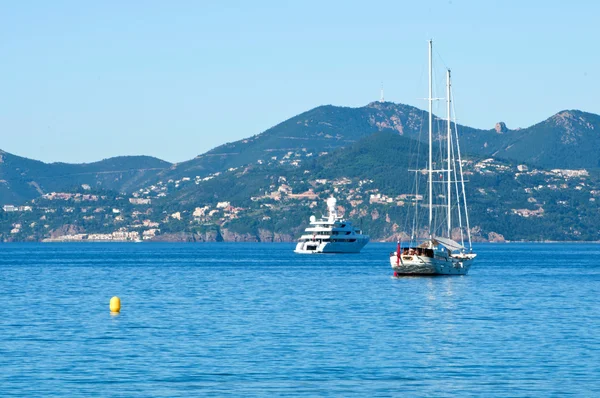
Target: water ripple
(257, 320)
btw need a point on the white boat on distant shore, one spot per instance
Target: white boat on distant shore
(331, 234)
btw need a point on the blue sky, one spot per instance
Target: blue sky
(81, 81)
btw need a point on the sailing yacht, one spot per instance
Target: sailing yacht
(331, 234)
(439, 254)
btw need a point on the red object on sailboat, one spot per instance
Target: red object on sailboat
(398, 254)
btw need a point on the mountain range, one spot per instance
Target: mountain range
(328, 127)
(366, 144)
(23, 179)
(568, 139)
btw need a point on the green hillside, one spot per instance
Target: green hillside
(569, 139)
(23, 179)
(502, 199)
(272, 201)
(322, 129)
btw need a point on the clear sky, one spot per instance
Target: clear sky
(85, 80)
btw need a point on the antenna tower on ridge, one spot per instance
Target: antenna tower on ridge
(381, 99)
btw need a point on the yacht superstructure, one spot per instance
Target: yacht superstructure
(331, 234)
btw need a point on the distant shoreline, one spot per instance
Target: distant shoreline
(80, 241)
(175, 241)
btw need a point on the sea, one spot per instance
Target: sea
(257, 320)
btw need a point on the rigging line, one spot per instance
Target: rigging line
(449, 145)
(440, 218)
(421, 79)
(430, 136)
(414, 231)
(460, 227)
(416, 158)
(442, 59)
(462, 180)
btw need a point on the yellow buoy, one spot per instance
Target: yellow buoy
(115, 304)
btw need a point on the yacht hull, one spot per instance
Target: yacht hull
(330, 247)
(423, 265)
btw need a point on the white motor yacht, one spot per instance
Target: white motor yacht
(331, 234)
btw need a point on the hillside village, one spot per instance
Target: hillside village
(155, 213)
(520, 184)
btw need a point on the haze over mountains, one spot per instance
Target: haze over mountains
(568, 139)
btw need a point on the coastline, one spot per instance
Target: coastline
(54, 240)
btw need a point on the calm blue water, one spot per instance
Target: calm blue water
(258, 320)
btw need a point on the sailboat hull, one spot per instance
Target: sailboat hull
(439, 255)
(423, 265)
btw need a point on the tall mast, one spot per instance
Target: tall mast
(430, 165)
(449, 131)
